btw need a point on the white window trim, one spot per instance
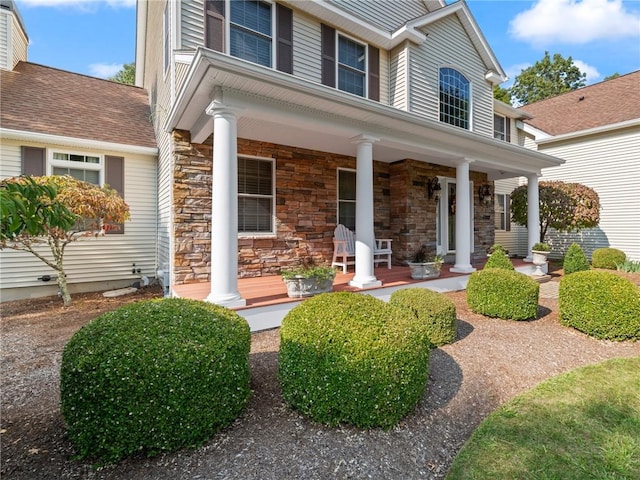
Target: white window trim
(51, 162)
(273, 232)
(504, 130)
(366, 62)
(338, 200)
(166, 43)
(504, 211)
(274, 40)
(464, 74)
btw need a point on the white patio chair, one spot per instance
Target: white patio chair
(344, 249)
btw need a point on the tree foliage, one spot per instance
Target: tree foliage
(502, 94)
(566, 207)
(55, 211)
(126, 75)
(547, 78)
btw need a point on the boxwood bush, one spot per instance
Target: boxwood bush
(575, 260)
(500, 293)
(351, 358)
(499, 259)
(600, 304)
(154, 376)
(434, 309)
(608, 258)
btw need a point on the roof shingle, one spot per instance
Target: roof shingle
(605, 103)
(46, 100)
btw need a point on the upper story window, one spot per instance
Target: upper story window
(87, 168)
(499, 127)
(255, 195)
(352, 66)
(455, 98)
(251, 31)
(347, 198)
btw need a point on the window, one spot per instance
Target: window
(455, 96)
(499, 127)
(255, 195)
(251, 31)
(87, 168)
(347, 198)
(352, 69)
(502, 214)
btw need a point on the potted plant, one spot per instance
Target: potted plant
(308, 279)
(421, 267)
(540, 251)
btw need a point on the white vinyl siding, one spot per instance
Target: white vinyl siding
(399, 77)
(448, 45)
(5, 40)
(192, 24)
(608, 163)
(515, 240)
(388, 15)
(306, 48)
(103, 259)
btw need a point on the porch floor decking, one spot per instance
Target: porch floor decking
(271, 290)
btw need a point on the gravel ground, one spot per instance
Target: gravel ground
(492, 361)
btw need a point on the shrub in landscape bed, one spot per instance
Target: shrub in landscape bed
(499, 259)
(500, 293)
(575, 260)
(434, 309)
(154, 376)
(351, 358)
(608, 258)
(600, 304)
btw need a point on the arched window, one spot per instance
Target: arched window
(455, 104)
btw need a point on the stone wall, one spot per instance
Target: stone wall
(306, 208)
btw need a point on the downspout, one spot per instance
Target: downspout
(141, 40)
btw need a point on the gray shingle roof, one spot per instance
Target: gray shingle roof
(46, 100)
(605, 103)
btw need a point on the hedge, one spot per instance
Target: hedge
(501, 293)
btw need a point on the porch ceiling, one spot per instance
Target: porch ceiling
(283, 109)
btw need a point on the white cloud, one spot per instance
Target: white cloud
(104, 70)
(574, 22)
(81, 4)
(513, 71)
(593, 75)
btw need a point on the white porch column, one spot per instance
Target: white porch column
(463, 219)
(224, 209)
(365, 236)
(533, 214)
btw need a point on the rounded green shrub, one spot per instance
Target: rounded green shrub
(608, 258)
(154, 376)
(351, 358)
(499, 259)
(600, 304)
(434, 309)
(500, 293)
(575, 260)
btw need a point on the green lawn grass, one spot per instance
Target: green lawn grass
(584, 424)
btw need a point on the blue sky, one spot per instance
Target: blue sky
(602, 36)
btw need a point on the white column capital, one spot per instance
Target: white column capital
(459, 162)
(363, 138)
(218, 108)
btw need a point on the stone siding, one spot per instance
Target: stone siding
(306, 208)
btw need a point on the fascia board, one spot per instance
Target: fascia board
(49, 139)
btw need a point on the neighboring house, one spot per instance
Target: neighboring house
(57, 122)
(276, 121)
(596, 130)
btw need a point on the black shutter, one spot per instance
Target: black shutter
(33, 161)
(507, 213)
(114, 177)
(328, 38)
(284, 34)
(214, 25)
(507, 129)
(374, 74)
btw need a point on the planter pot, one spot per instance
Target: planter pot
(299, 287)
(420, 271)
(539, 259)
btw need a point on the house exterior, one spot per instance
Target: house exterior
(278, 120)
(57, 122)
(595, 129)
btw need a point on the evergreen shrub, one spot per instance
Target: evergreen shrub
(434, 309)
(499, 259)
(600, 304)
(608, 258)
(575, 260)
(351, 358)
(154, 376)
(496, 292)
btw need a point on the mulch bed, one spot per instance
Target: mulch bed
(492, 361)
